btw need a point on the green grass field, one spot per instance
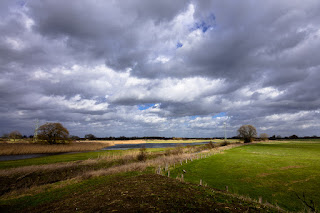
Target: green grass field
(275, 171)
(88, 188)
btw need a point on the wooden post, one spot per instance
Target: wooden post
(227, 188)
(200, 182)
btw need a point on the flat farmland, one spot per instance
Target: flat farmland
(285, 173)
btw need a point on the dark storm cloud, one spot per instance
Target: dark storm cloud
(110, 31)
(90, 65)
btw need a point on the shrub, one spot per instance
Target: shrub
(15, 135)
(224, 143)
(264, 136)
(142, 156)
(211, 145)
(177, 150)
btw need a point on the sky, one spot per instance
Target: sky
(160, 68)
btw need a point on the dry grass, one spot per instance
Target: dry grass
(187, 153)
(23, 148)
(112, 143)
(127, 157)
(18, 179)
(163, 161)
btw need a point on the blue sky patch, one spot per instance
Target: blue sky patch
(179, 44)
(145, 106)
(204, 25)
(194, 117)
(221, 114)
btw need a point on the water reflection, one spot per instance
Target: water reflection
(149, 145)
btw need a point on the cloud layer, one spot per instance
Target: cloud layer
(157, 68)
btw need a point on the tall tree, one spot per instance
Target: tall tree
(247, 132)
(53, 133)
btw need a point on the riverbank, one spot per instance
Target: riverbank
(27, 148)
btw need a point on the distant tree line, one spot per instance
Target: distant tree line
(93, 137)
(53, 133)
(278, 137)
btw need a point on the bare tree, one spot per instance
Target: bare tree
(247, 132)
(15, 135)
(264, 136)
(53, 133)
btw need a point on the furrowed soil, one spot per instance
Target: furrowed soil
(132, 193)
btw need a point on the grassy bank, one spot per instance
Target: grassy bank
(131, 192)
(62, 158)
(276, 172)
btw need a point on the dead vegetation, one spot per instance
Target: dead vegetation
(32, 148)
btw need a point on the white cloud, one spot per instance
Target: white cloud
(184, 59)
(15, 43)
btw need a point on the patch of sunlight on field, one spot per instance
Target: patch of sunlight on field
(276, 171)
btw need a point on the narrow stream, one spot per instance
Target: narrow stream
(150, 145)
